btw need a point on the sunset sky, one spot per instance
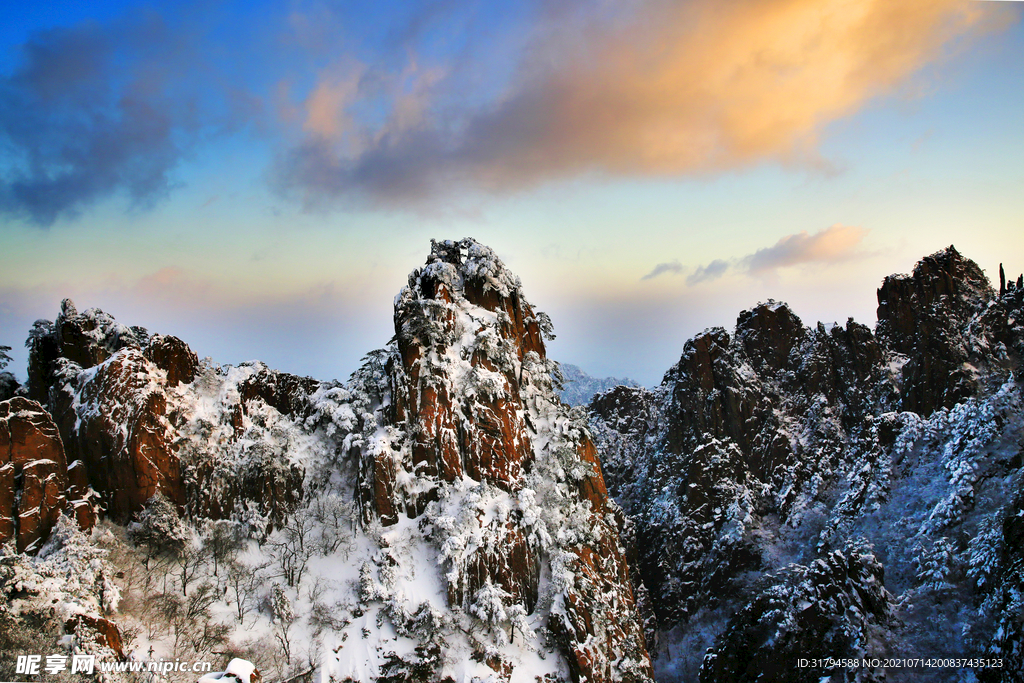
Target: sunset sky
(258, 178)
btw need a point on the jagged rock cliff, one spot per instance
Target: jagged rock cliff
(455, 507)
(470, 438)
(830, 492)
(787, 492)
(34, 479)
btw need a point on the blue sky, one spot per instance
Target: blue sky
(258, 179)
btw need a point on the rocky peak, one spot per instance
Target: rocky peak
(769, 331)
(927, 317)
(470, 414)
(91, 337)
(467, 272)
(943, 285)
(464, 332)
(774, 452)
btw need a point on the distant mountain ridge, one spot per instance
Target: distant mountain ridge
(578, 387)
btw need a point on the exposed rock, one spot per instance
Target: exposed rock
(463, 407)
(80, 496)
(174, 357)
(783, 446)
(769, 332)
(477, 431)
(258, 472)
(125, 415)
(114, 419)
(33, 473)
(925, 316)
(513, 565)
(105, 632)
(87, 339)
(288, 394)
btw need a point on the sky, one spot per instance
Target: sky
(259, 178)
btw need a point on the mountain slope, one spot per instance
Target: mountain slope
(812, 492)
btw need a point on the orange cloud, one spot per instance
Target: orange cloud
(831, 245)
(696, 87)
(673, 88)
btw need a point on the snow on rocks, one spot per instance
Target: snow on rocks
(442, 516)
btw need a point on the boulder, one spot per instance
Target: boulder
(103, 631)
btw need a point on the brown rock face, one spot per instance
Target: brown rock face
(33, 473)
(586, 634)
(174, 357)
(111, 388)
(479, 433)
(92, 337)
(105, 632)
(459, 410)
(80, 496)
(513, 565)
(114, 420)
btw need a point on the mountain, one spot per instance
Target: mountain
(786, 497)
(833, 492)
(440, 517)
(578, 387)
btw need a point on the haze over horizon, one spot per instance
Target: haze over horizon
(259, 179)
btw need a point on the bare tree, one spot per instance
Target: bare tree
(245, 582)
(294, 544)
(336, 518)
(222, 539)
(190, 560)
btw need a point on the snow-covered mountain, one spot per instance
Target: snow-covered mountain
(787, 493)
(813, 493)
(440, 517)
(578, 387)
